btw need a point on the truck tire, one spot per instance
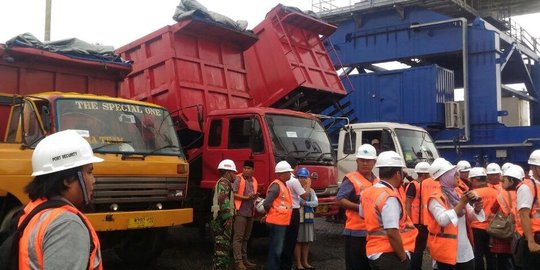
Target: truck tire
(141, 247)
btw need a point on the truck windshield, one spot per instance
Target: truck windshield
(417, 146)
(113, 127)
(301, 138)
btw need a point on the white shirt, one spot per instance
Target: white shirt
(390, 214)
(296, 190)
(524, 197)
(445, 216)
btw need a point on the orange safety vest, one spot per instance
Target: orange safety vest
(415, 204)
(429, 185)
(242, 187)
(373, 200)
(360, 183)
(461, 187)
(281, 211)
(507, 205)
(36, 229)
(535, 211)
(489, 198)
(442, 241)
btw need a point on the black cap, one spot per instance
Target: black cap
(249, 163)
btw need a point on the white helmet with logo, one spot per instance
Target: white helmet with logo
(259, 205)
(463, 166)
(421, 167)
(389, 159)
(366, 151)
(505, 166)
(283, 166)
(227, 164)
(477, 172)
(515, 171)
(493, 168)
(439, 167)
(534, 158)
(61, 151)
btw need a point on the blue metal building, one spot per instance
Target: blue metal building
(448, 45)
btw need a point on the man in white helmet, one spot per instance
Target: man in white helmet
(391, 233)
(463, 168)
(60, 238)
(223, 212)
(278, 206)
(413, 204)
(348, 197)
(527, 201)
(494, 174)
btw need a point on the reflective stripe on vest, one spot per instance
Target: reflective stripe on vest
(242, 188)
(354, 221)
(31, 242)
(428, 187)
(535, 208)
(281, 211)
(442, 241)
(373, 200)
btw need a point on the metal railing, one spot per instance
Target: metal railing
(521, 35)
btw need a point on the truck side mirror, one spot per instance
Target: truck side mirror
(45, 117)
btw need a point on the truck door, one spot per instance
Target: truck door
(245, 141)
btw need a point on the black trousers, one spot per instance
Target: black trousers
(531, 261)
(420, 246)
(290, 240)
(482, 250)
(355, 253)
(389, 261)
(459, 266)
(505, 262)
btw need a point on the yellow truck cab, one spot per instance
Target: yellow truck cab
(141, 185)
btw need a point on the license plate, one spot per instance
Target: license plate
(140, 222)
(321, 209)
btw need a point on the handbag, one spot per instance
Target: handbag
(502, 226)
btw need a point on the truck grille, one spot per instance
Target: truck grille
(138, 189)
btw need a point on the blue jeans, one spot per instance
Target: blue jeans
(275, 247)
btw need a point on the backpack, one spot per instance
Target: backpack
(9, 239)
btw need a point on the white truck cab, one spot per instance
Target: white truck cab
(413, 143)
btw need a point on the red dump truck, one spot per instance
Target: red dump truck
(141, 186)
(229, 91)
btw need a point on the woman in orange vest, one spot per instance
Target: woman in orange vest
(62, 237)
(506, 203)
(278, 206)
(391, 233)
(449, 241)
(488, 195)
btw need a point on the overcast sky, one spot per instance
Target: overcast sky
(118, 22)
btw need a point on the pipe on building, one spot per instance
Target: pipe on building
(465, 52)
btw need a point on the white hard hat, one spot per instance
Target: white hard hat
(227, 164)
(439, 167)
(515, 171)
(421, 167)
(534, 158)
(477, 172)
(283, 166)
(61, 151)
(463, 166)
(389, 159)
(366, 151)
(259, 205)
(493, 168)
(505, 166)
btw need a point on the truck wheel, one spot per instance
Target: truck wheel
(141, 246)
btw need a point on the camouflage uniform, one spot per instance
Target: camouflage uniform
(222, 233)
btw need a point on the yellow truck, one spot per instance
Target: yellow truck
(139, 189)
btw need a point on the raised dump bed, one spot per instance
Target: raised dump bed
(289, 66)
(26, 71)
(194, 66)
